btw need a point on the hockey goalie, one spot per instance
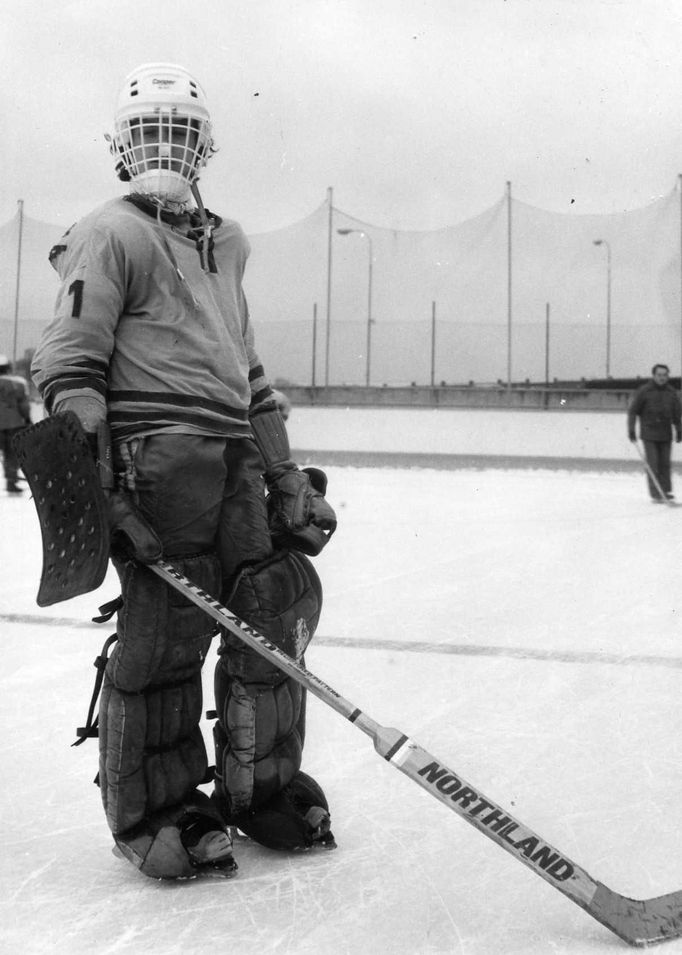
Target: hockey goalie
(152, 342)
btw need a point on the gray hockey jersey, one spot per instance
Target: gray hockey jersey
(140, 325)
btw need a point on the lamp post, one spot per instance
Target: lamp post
(369, 295)
(608, 302)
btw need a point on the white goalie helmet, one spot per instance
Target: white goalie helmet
(162, 131)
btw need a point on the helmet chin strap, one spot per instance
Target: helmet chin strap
(177, 202)
(176, 207)
(205, 227)
(179, 207)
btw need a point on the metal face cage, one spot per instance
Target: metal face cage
(163, 151)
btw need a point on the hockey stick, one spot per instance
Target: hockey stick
(636, 922)
(653, 477)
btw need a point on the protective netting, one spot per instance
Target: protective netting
(38, 282)
(459, 274)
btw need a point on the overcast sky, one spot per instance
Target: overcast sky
(416, 113)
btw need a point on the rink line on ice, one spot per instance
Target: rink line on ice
(519, 653)
(34, 618)
(415, 646)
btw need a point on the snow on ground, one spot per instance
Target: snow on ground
(522, 625)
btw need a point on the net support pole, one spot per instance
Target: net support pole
(18, 283)
(679, 183)
(509, 290)
(330, 202)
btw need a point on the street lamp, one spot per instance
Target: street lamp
(369, 295)
(608, 302)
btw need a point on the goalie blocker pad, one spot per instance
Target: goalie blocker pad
(270, 434)
(61, 472)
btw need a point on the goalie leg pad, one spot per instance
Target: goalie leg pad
(152, 753)
(258, 741)
(281, 597)
(160, 633)
(261, 712)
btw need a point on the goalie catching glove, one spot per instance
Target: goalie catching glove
(300, 516)
(298, 513)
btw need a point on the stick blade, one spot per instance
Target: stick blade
(638, 922)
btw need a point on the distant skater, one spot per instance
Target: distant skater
(15, 414)
(657, 405)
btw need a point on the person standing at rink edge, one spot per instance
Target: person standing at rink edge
(152, 341)
(15, 415)
(657, 406)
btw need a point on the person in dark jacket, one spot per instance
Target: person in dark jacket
(15, 414)
(657, 405)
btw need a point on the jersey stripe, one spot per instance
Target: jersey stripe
(142, 398)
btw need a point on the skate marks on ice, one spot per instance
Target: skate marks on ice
(589, 755)
(555, 743)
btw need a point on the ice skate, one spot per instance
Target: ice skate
(209, 848)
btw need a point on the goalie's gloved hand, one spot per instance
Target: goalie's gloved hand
(300, 517)
(131, 535)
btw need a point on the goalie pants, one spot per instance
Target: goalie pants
(205, 498)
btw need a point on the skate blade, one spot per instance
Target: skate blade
(227, 870)
(207, 871)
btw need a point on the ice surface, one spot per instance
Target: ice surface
(523, 626)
